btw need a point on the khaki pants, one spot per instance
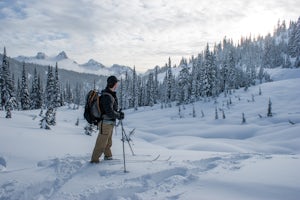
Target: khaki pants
(103, 142)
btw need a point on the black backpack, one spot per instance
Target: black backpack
(92, 110)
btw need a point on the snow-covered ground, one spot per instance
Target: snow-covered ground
(199, 157)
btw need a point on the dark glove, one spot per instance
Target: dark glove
(121, 115)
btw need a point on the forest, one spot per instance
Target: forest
(219, 68)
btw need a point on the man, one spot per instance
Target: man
(109, 107)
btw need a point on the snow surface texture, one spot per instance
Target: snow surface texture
(200, 158)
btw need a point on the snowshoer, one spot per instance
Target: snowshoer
(109, 106)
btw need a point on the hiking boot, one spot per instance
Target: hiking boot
(94, 161)
(108, 158)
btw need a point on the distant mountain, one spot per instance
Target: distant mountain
(85, 80)
(120, 69)
(93, 65)
(64, 62)
(40, 55)
(61, 56)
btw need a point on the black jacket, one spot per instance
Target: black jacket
(109, 105)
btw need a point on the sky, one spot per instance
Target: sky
(138, 33)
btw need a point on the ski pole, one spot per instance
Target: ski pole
(124, 153)
(127, 138)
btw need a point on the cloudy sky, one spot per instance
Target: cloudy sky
(141, 33)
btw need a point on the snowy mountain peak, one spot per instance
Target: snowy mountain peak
(93, 62)
(93, 65)
(120, 69)
(61, 56)
(40, 55)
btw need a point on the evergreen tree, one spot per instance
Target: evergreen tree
(77, 122)
(169, 81)
(57, 97)
(194, 111)
(77, 97)
(243, 118)
(51, 116)
(18, 95)
(44, 124)
(35, 95)
(25, 97)
(150, 90)
(294, 39)
(121, 94)
(183, 93)
(270, 114)
(8, 113)
(203, 78)
(260, 75)
(135, 95)
(68, 93)
(39, 102)
(155, 95)
(50, 93)
(216, 114)
(6, 84)
(126, 91)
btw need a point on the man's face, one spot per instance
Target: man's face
(115, 87)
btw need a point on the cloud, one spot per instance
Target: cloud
(134, 32)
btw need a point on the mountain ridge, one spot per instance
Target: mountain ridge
(64, 62)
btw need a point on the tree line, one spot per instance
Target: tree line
(221, 68)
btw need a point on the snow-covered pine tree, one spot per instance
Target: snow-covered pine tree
(121, 94)
(204, 78)
(150, 90)
(77, 122)
(270, 114)
(169, 86)
(51, 116)
(231, 78)
(44, 124)
(35, 94)
(194, 111)
(155, 96)
(260, 75)
(40, 92)
(126, 95)
(68, 93)
(193, 81)
(179, 112)
(50, 89)
(216, 114)
(6, 83)
(243, 118)
(214, 75)
(77, 97)
(196, 74)
(57, 97)
(294, 39)
(223, 114)
(135, 95)
(8, 113)
(25, 97)
(184, 90)
(259, 92)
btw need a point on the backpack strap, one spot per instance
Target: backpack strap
(98, 104)
(92, 97)
(106, 93)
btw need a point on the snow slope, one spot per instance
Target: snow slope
(199, 157)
